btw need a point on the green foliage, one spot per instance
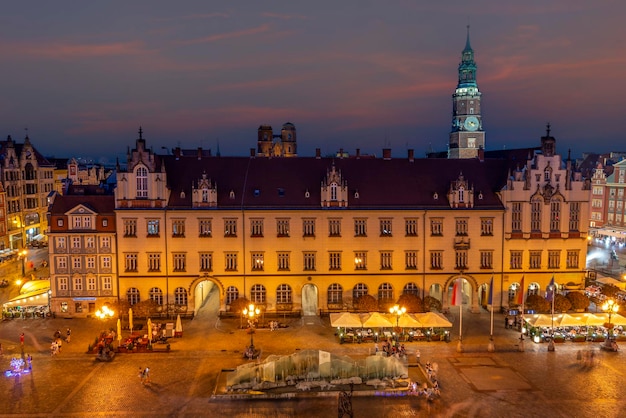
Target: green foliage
(411, 302)
(578, 300)
(538, 304)
(432, 304)
(610, 291)
(562, 304)
(366, 303)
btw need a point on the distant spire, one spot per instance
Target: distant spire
(217, 152)
(548, 129)
(140, 133)
(468, 47)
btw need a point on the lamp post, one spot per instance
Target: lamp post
(398, 311)
(611, 307)
(105, 312)
(251, 312)
(22, 255)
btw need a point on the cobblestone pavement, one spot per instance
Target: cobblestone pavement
(475, 383)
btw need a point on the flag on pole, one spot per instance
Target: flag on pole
(550, 291)
(520, 293)
(457, 297)
(490, 300)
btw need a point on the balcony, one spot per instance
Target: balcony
(461, 243)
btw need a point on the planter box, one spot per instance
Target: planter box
(559, 340)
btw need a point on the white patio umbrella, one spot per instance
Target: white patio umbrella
(433, 319)
(567, 320)
(375, 320)
(345, 320)
(149, 325)
(119, 331)
(540, 320)
(179, 324)
(130, 319)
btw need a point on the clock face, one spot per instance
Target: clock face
(471, 123)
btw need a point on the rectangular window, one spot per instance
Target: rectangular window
(410, 260)
(75, 242)
(436, 226)
(334, 260)
(91, 283)
(555, 215)
(60, 241)
(516, 260)
(309, 261)
(385, 227)
(90, 242)
(205, 227)
(76, 224)
(77, 263)
(256, 227)
(107, 283)
(360, 227)
(231, 261)
(572, 259)
(461, 259)
(78, 283)
(62, 263)
(154, 262)
(257, 261)
(91, 263)
(574, 216)
(386, 260)
(106, 262)
(178, 228)
(486, 226)
(360, 260)
(535, 215)
(334, 227)
(63, 283)
(410, 227)
(86, 222)
(308, 227)
(130, 227)
(535, 260)
(516, 217)
(461, 227)
(283, 261)
(105, 243)
(206, 261)
(282, 227)
(230, 227)
(486, 259)
(436, 260)
(153, 227)
(180, 261)
(554, 259)
(130, 262)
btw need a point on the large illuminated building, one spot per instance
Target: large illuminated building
(306, 234)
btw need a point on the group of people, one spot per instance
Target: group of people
(57, 341)
(429, 391)
(144, 375)
(391, 348)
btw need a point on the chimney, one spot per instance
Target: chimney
(340, 152)
(411, 155)
(358, 153)
(252, 152)
(386, 153)
(481, 154)
(318, 153)
(199, 153)
(177, 152)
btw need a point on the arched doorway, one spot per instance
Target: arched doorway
(309, 299)
(206, 299)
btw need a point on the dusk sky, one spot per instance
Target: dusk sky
(82, 76)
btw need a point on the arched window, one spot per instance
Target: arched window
(333, 191)
(411, 289)
(335, 293)
(461, 194)
(555, 215)
(360, 289)
(257, 293)
(232, 294)
(132, 295)
(180, 296)
(142, 182)
(283, 294)
(385, 292)
(533, 289)
(156, 295)
(535, 215)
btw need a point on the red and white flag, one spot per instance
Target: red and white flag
(457, 296)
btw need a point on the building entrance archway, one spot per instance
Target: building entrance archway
(206, 299)
(309, 299)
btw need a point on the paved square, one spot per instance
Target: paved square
(487, 378)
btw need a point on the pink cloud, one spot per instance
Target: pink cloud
(228, 35)
(67, 50)
(283, 16)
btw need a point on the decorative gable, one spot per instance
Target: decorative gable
(204, 194)
(334, 189)
(461, 195)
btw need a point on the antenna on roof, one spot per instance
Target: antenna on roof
(217, 152)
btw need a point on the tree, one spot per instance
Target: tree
(610, 291)
(367, 303)
(538, 304)
(411, 302)
(432, 304)
(561, 303)
(578, 300)
(239, 304)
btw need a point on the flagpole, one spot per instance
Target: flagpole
(553, 294)
(521, 337)
(490, 347)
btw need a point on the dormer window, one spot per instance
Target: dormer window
(333, 191)
(142, 182)
(205, 195)
(461, 194)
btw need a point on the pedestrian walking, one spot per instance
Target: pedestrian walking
(29, 360)
(376, 348)
(69, 334)
(22, 340)
(418, 356)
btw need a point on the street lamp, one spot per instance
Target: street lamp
(105, 312)
(398, 311)
(611, 307)
(251, 312)
(22, 255)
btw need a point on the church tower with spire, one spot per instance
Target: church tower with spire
(467, 136)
